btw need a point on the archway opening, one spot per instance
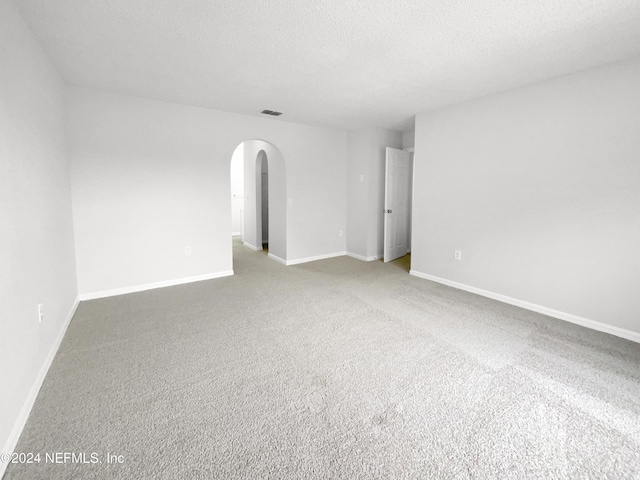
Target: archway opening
(259, 200)
(263, 197)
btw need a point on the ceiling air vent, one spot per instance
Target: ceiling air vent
(271, 112)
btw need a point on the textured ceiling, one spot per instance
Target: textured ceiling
(339, 63)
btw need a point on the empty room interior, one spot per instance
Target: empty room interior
(248, 239)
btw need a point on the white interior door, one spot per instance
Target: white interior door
(396, 204)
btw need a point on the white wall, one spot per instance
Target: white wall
(36, 237)
(358, 192)
(150, 178)
(538, 187)
(237, 189)
(409, 138)
(365, 181)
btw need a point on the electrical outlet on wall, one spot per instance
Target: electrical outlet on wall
(457, 254)
(40, 312)
(187, 251)
(340, 233)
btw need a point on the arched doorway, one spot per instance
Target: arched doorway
(259, 198)
(262, 199)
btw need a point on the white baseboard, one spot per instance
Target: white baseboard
(313, 259)
(236, 234)
(151, 286)
(277, 259)
(363, 258)
(252, 247)
(568, 317)
(23, 416)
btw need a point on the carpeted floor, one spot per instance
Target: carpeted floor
(332, 369)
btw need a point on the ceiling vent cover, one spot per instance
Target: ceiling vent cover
(271, 112)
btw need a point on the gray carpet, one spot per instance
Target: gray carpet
(333, 369)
